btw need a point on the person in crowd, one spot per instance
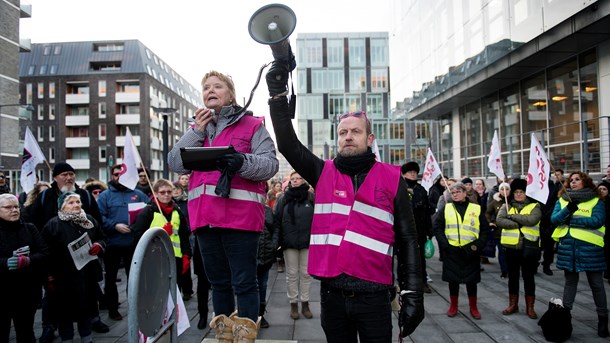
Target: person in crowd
(39, 187)
(580, 217)
(4, 186)
(604, 190)
(471, 194)
(267, 246)
(435, 192)
(359, 203)
(271, 199)
(293, 217)
(23, 254)
(203, 286)
(165, 213)
(227, 206)
(184, 181)
(95, 187)
(180, 197)
(547, 243)
(520, 237)
(44, 208)
(444, 198)
(421, 212)
(461, 231)
(499, 200)
(143, 184)
(73, 288)
(116, 225)
(607, 176)
(559, 178)
(482, 198)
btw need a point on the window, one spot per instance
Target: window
(310, 53)
(46, 50)
(105, 66)
(78, 153)
(31, 69)
(354, 103)
(102, 132)
(78, 132)
(101, 88)
(357, 57)
(102, 109)
(102, 154)
(40, 110)
(51, 133)
(57, 50)
(334, 52)
(103, 172)
(53, 69)
(379, 52)
(379, 80)
(128, 87)
(29, 93)
(78, 88)
(43, 70)
(51, 90)
(374, 106)
(51, 155)
(40, 133)
(74, 110)
(129, 109)
(51, 111)
(357, 80)
(335, 81)
(318, 81)
(40, 90)
(108, 47)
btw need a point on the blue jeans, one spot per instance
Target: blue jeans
(66, 329)
(347, 316)
(229, 260)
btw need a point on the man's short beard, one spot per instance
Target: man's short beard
(67, 188)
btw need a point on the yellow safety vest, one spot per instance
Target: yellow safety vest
(159, 220)
(462, 232)
(585, 210)
(532, 233)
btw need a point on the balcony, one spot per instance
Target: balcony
(79, 163)
(75, 99)
(25, 11)
(77, 120)
(155, 144)
(127, 97)
(156, 164)
(77, 142)
(120, 140)
(125, 119)
(25, 45)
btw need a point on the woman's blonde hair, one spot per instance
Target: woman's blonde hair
(224, 78)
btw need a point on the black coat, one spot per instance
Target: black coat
(75, 290)
(268, 241)
(421, 208)
(294, 235)
(461, 264)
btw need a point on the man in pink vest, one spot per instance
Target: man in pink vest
(362, 218)
(226, 206)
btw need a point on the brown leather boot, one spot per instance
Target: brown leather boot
(223, 328)
(453, 306)
(294, 311)
(513, 304)
(530, 300)
(305, 310)
(245, 330)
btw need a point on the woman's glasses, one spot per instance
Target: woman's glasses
(96, 192)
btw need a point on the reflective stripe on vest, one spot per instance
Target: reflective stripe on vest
(159, 220)
(237, 194)
(532, 233)
(331, 208)
(368, 243)
(461, 232)
(585, 210)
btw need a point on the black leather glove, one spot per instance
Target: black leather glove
(277, 78)
(411, 312)
(232, 162)
(572, 206)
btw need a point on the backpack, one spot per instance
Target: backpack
(556, 322)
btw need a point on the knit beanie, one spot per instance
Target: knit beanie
(63, 197)
(61, 167)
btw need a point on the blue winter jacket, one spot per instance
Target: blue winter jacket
(575, 255)
(113, 207)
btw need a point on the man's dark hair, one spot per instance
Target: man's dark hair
(560, 170)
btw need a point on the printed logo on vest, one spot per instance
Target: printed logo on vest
(383, 199)
(340, 194)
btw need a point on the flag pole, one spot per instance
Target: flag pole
(153, 191)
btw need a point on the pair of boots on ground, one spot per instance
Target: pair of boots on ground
(472, 302)
(235, 329)
(294, 310)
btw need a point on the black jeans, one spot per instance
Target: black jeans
(348, 316)
(517, 264)
(112, 261)
(21, 311)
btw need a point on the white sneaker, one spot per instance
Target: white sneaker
(428, 279)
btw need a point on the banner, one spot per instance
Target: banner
(495, 158)
(538, 173)
(431, 171)
(375, 149)
(32, 156)
(131, 163)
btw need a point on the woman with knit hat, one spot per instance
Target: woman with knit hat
(520, 238)
(73, 288)
(580, 218)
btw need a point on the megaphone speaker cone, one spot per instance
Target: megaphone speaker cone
(272, 24)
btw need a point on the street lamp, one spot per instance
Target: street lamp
(28, 107)
(165, 111)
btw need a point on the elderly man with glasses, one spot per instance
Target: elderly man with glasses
(120, 242)
(363, 217)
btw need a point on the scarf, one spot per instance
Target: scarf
(166, 208)
(579, 196)
(79, 218)
(293, 195)
(354, 165)
(182, 197)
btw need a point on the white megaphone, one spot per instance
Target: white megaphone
(272, 25)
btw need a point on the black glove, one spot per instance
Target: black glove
(411, 312)
(572, 206)
(232, 162)
(277, 78)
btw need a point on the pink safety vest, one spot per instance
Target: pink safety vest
(353, 233)
(244, 209)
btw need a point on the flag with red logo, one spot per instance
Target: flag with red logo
(375, 149)
(495, 158)
(32, 156)
(538, 172)
(431, 171)
(131, 163)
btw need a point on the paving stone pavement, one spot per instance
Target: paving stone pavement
(436, 327)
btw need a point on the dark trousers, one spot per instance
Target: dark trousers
(517, 264)
(349, 317)
(184, 280)
(471, 289)
(66, 329)
(421, 240)
(203, 284)
(22, 314)
(112, 261)
(547, 243)
(262, 276)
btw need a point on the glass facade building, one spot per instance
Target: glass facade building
(518, 67)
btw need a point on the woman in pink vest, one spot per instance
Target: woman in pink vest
(226, 206)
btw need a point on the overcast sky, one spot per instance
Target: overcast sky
(195, 36)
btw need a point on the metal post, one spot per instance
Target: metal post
(165, 147)
(585, 147)
(510, 155)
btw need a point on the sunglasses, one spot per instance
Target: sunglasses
(353, 114)
(116, 174)
(97, 191)
(164, 192)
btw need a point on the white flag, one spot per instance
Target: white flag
(495, 158)
(538, 172)
(431, 171)
(32, 156)
(376, 151)
(131, 163)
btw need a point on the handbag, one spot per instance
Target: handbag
(531, 249)
(428, 249)
(556, 322)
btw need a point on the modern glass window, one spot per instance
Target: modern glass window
(336, 107)
(534, 115)
(51, 90)
(334, 52)
(335, 81)
(101, 88)
(101, 109)
(43, 70)
(40, 133)
(129, 109)
(470, 122)
(75, 110)
(318, 81)
(29, 93)
(310, 53)
(374, 106)
(51, 111)
(353, 103)
(53, 69)
(46, 50)
(31, 70)
(510, 126)
(102, 132)
(78, 153)
(51, 155)
(310, 107)
(40, 111)
(357, 80)
(379, 52)
(51, 133)
(128, 87)
(57, 50)
(40, 90)
(357, 53)
(379, 79)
